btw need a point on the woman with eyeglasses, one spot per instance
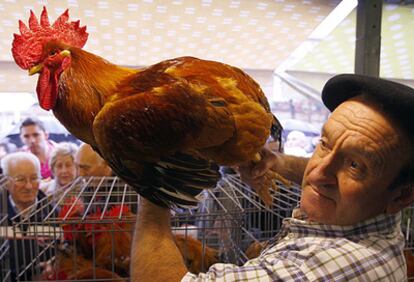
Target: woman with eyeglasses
(64, 170)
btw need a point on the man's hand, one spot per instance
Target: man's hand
(290, 167)
(253, 173)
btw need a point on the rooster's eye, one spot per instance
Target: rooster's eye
(52, 53)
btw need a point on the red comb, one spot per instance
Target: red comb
(27, 46)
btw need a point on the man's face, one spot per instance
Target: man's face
(24, 181)
(34, 138)
(346, 180)
(90, 163)
(64, 169)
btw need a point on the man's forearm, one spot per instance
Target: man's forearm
(291, 167)
(155, 256)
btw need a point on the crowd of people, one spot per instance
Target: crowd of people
(60, 163)
(39, 169)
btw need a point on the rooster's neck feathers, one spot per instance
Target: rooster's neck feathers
(84, 88)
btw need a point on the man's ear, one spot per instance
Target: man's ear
(108, 170)
(403, 197)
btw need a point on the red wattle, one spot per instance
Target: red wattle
(47, 89)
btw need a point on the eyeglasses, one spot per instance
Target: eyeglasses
(22, 180)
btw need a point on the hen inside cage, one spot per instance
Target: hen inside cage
(85, 231)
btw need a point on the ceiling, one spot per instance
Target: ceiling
(251, 34)
(246, 33)
(335, 54)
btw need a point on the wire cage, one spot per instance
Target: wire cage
(4, 234)
(84, 232)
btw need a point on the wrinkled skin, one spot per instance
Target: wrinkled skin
(23, 194)
(347, 179)
(64, 169)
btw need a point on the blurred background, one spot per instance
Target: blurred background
(291, 48)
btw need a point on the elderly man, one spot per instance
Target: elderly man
(36, 140)
(347, 227)
(25, 203)
(94, 169)
(90, 163)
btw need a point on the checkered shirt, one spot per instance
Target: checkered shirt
(307, 251)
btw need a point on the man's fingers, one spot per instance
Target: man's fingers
(259, 170)
(263, 166)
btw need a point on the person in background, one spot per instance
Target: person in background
(62, 164)
(348, 223)
(96, 171)
(26, 205)
(297, 144)
(90, 163)
(36, 140)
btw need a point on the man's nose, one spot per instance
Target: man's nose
(29, 184)
(65, 168)
(32, 139)
(324, 173)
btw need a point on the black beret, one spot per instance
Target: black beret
(396, 99)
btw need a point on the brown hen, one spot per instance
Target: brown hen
(70, 265)
(198, 258)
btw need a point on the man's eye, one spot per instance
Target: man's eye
(354, 165)
(323, 143)
(34, 179)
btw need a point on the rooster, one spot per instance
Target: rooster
(164, 129)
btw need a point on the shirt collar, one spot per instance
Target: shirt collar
(382, 224)
(19, 212)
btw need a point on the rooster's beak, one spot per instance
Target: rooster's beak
(65, 53)
(35, 69)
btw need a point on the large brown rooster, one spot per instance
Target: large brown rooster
(163, 129)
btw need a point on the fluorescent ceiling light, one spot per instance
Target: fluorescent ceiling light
(321, 31)
(333, 19)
